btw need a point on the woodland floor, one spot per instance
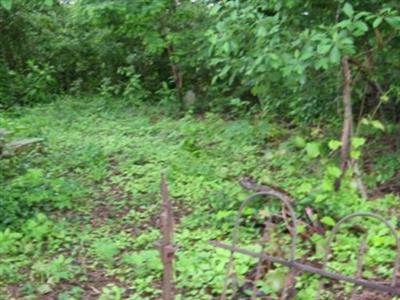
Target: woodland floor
(94, 192)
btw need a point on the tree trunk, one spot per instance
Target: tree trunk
(176, 73)
(347, 121)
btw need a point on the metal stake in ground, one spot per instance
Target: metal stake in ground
(167, 249)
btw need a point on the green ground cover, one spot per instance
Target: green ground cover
(80, 212)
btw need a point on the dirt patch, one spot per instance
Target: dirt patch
(102, 211)
(92, 287)
(14, 291)
(369, 295)
(100, 215)
(97, 280)
(392, 186)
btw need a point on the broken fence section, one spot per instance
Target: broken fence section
(289, 218)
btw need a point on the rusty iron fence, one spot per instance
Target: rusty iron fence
(296, 266)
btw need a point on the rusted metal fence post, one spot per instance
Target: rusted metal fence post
(167, 248)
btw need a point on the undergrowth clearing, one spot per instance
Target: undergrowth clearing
(84, 206)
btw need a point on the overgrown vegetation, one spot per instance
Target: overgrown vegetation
(302, 96)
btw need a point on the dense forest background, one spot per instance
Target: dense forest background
(282, 57)
(303, 96)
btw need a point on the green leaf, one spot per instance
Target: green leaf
(44, 289)
(214, 79)
(322, 64)
(378, 125)
(361, 28)
(304, 188)
(334, 171)
(348, 10)
(365, 121)
(344, 24)
(357, 142)
(213, 38)
(224, 214)
(323, 48)
(224, 71)
(335, 55)
(226, 47)
(307, 53)
(48, 2)
(301, 228)
(334, 144)
(356, 154)
(276, 279)
(327, 185)
(384, 98)
(362, 14)
(261, 31)
(394, 22)
(105, 249)
(299, 141)
(377, 22)
(328, 221)
(313, 149)
(7, 4)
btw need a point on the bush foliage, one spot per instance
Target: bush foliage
(279, 56)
